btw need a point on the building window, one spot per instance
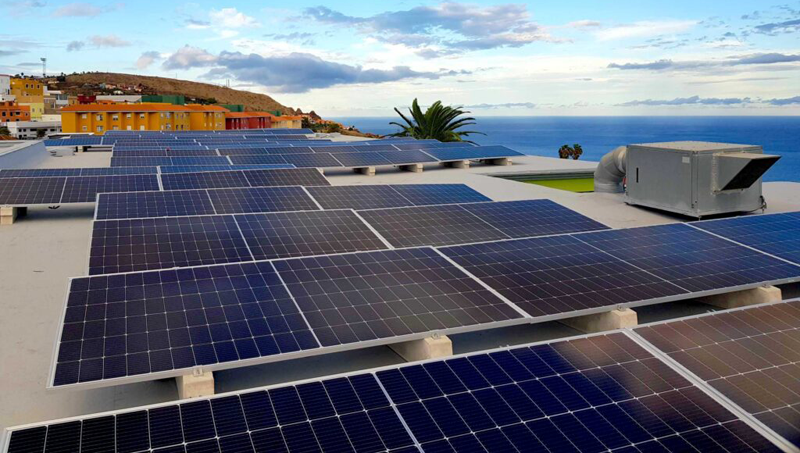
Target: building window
(99, 117)
(168, 114)
(99, 128)
(115, 117)
(84, 128)
(128, 115)
(141, 115)
(116, 128)
(83, 116)
(141, 128)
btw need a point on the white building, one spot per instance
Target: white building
(122, 98)
(30, 129)
(5, 84)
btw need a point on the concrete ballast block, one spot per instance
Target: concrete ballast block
(456, 164)
(426, 348)
(760, 295)
(369, 171)
(600, 322)
(195, 385)
(414, 168)
(9, 214)
(498, 161)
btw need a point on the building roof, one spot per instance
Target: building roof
(143, 107)
(248, 115)
(289, 118)
(206, 108)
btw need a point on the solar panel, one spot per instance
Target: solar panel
(748, 355)
(427, 194)
(289, 150)
(83, 141)
(161, 243)
(776, 234)
(38, 172)
(290, 234)
(153, 204)
(372, 295)
(261, 199)
(558, 275)
(362, 159)
(599, 393)
(126, 152)
(369, 146)
(202, 168)
(142, 323)
(319, 160)
(479, 152)
(218, 160)
(333, 149)
(23, 191)
(406, 157)
(84, 189)
(289, 177)
(250, 160)
(140, 161)
(119, 171)
(530, 218)
(430, 225)
(689, 258)
(204, 180)
(389, 196)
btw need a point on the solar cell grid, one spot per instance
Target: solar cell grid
(204, 180)
(371, 295)
(428, 194)
(202, 168)
(776, 234)
(162, 243)
(529, 218)
(288, 177)
(261, 199)
(84, 189)
(318, 160)
(362, 159)
(133, 324)
(139, 153)
(289, 234)
(289, 150)
(472, 152)
(140, 161)
(358, 197)
(333, 149)
(119, 171)
(250, 160)
(597, 393)
(38, 172)
(218, 160)
(406, 157)
(689, 258)
(23, 191)
(751, 356)
(153, 204)
(558, 275)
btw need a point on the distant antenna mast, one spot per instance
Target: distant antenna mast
(44, 67)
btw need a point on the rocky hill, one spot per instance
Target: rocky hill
(87, 84)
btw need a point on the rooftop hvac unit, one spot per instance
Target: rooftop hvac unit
(697, 179)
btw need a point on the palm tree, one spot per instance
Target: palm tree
(438, 122)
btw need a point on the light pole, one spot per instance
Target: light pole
(44, 67)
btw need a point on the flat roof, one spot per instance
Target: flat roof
(42, 250)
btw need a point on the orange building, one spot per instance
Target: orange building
(248, 120)
(206, 117)
(99, 118)
(287, 122)
(10, 111)
(29, 92)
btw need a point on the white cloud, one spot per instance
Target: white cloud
(644, 29)
(80, 9)
(584, 24)
(147, 59)
(108, 41)
(232, 18)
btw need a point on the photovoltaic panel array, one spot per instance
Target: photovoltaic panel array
(482, 152)
(71, 189)
(100, 171)
(600, 393)
(162, 243)
(244, 178)
(160, 161)
(776, 234)
(201, 168)
(261, 199)
(153, 204)
(22, 191)
(475, 222)
(388, 196)
(751, 356)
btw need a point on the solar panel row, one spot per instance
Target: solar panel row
(598, 393)
(98, 171)
(72, 189)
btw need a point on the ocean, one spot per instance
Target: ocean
(542, 136)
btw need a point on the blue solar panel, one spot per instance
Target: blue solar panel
(601, 393)
(334, 149)
(218, 160)
(480, 152)
(153, 204)
(204, 180)
(39, 172)
(389, 196)
(776, 234)
(319, 160)
(407, 157)
(427, 194)
(251, 160)
(529, 218)
(202, 168)
(140, 161)
(119, 171)
(23, 191)
(122, 152)
(84, 189)
(84, 141)
(362, 159)
(290, 177)
(261, 199)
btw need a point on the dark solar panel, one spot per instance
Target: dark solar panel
(218, 160)
(84, 189)
(191, 153)
(602, 393)
(751, 356)
(250, 160)
(161, 243)
(371, 295)
(261, 199)
(124, 152)
(38, 172)
(133, 324)
(289, 150)
(558, 275)
(776, 234)
(153, 204)
(204, 180)
(140, 161)
(374, 147)
(21, 191)
(479, 152)
(333, 149)
(358, 197)
(406, 157)
(430, 225)
(362, 159)
(290, 234)
(119, 171)
(427, 194)
(289, 177)
(529, 218)
(202, 168)
(690, 258)
(319, 160)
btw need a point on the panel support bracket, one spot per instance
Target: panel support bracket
(431, 347)
(8, 214)
(199, 383)
(760, 295)
(369, 171)
(601, 322)
(498, 161)
(456, 164)
(413, 168)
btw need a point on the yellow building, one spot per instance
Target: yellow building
(206, 117)
(29, 92)
(99, 118)
(287, 122)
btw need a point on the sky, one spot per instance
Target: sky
(356, 58)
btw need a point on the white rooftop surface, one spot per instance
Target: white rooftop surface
(42, 250)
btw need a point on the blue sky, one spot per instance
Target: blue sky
(582, 57)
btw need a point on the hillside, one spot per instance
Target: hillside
(161, 85)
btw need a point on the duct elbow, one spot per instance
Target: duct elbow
(610, 172)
